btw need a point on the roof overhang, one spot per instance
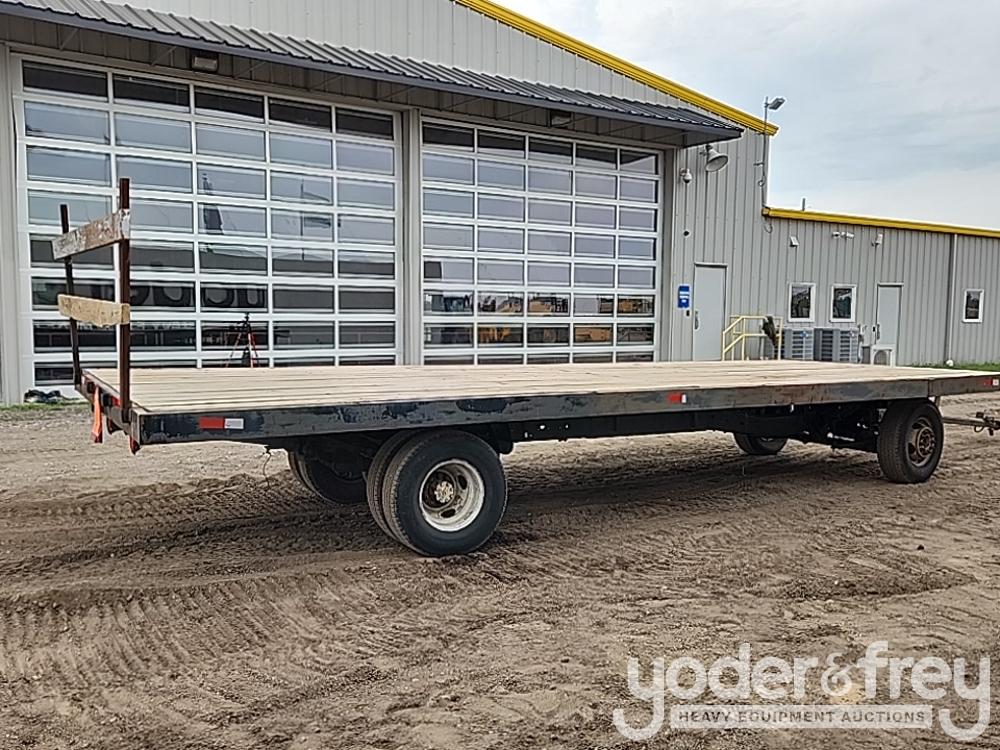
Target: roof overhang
(660, 124)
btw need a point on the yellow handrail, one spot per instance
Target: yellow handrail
(737, 333)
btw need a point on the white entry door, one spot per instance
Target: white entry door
(708, 299)
(887, 312)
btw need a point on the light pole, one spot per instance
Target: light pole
(770, 105)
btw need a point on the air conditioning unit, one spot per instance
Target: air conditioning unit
(837, 345)
(797, 343)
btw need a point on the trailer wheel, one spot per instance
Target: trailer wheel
(295, 464)
(444, 493)
(376, 476)
(910, 441)
(340, 481)
(759, 446)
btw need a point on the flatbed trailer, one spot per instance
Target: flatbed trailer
(422, 445)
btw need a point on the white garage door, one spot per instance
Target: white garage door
(243, 203)
(537, 249)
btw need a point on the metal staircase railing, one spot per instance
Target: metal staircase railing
(742, 328)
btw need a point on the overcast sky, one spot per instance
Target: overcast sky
(893, 105)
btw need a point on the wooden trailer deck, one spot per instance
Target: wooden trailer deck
(172, 405)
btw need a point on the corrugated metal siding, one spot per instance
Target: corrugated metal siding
(760, 277)
(434, 30)
(977, 266)
(716, 219)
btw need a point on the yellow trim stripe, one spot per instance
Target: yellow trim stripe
(871, 221)
(617, 64)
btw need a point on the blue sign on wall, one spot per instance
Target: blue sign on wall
(684, 297)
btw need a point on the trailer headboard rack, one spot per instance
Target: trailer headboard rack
(114, 229)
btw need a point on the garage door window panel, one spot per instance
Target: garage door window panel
(448, 302)
(63, 123)
(162, 295)
(63, 165)
(151, 133)
(236, 143)
(156, 174)
(231, 182)
(231, 297)
(57, 79)
(303, 261)
(217, 258)
(148, 91)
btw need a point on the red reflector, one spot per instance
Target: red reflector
(677, 398)
(212, 423)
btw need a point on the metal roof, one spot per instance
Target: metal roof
(168, 28)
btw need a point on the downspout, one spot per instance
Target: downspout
(949, 310)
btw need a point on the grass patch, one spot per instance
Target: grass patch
(984, 366)
(44, 407)
(27, 411)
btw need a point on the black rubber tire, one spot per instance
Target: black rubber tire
(404, 479)
(759, 446)
(900, 461)
(329, 485)
(376, 476)
(295, 464)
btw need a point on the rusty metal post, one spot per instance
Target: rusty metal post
(125, 297)
(74, 331)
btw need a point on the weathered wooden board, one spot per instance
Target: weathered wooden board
(217, 389)
(97, 234)
(95, 311)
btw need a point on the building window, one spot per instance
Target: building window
(842, 304)
(800, 305)
(973, 310)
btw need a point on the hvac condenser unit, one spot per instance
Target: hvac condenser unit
(797, 343)
(837, 345)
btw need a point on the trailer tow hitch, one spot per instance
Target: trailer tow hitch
(984, 421)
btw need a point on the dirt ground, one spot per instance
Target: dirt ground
(196, 596)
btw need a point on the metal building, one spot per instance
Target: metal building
(421, 181)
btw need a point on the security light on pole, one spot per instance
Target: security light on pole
(770, 105)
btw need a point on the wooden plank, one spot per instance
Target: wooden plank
(97, 234)
(192, 389)
(95, 311)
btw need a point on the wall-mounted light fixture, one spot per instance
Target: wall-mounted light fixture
(844, 235)
(686, 176)
(559, 119)
(714, 159)
(206, 62)
(879, 238)
(793, 241)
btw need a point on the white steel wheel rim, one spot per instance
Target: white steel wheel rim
(452, 495)
(921, 442)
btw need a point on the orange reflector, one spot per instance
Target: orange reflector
(97, 428)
